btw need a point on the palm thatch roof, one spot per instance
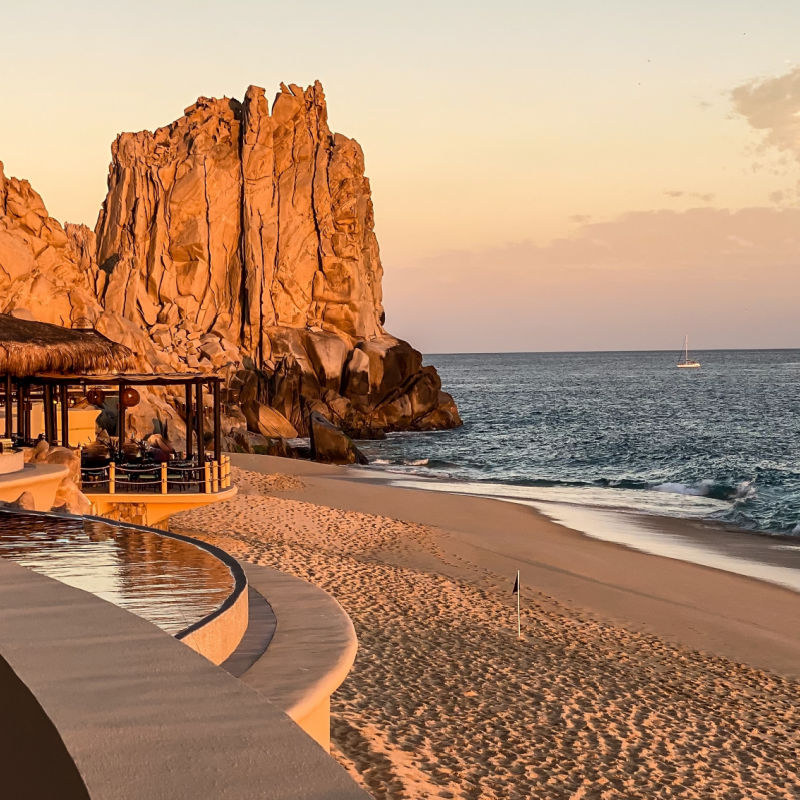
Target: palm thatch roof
(28, 348)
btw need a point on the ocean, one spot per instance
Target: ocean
(623, 430)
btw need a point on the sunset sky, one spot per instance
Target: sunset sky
(546, 176)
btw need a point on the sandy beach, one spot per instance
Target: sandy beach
(637, 676)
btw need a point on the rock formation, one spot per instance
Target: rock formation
(239, 240)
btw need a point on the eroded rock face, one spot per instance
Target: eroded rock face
(237, 240)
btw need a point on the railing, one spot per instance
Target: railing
(164, 478)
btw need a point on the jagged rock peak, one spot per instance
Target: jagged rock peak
(243, 218)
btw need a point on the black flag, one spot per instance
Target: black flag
(515, 590)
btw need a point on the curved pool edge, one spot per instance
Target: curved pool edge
(217, 634)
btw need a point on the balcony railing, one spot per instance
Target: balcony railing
(172, 477)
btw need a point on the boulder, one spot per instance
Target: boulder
(69, 458)
(243, 441)
(285, 392)
(331, 445)
(328, 354)
(36, 453)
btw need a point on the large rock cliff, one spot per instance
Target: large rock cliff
(239, 239)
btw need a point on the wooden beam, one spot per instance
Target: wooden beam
(120, 417)
(47, 408)
(9, 408)
(189, 420)
(217, 422)
(64, 415)
(26, 391)
(20, 410)
(201, 438)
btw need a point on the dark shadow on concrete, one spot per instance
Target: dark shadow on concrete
(34, 762)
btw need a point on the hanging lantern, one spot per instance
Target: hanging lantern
(129, 397)
(96, 397)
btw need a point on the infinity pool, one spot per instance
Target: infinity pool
(170, 582)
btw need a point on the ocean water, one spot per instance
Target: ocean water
(621, 430)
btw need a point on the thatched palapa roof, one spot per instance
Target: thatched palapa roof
(28, 348)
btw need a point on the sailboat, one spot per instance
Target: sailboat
(686, 362)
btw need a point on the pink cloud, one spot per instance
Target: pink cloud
(635, 282)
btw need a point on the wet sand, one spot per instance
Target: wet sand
(637, 676)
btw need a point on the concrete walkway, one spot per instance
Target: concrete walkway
(140, 714)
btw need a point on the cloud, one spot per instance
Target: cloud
(703, 197)
(772, 106)
(636, 281)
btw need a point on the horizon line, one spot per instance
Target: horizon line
(581, 352)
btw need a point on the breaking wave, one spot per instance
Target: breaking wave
(743, 490)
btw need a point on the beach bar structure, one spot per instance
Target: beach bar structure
(48, 368)
(201, 475)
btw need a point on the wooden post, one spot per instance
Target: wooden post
(120, 418)
(51, 406)
(163, 478)
(198, 412)
(215, 476)
(20, 410)
(189, 420)
(112, 477)
(9, 408)
(26, 391)
(207, 474)
(64, 415)
(80, 471)
(47, 409)
(217, 422)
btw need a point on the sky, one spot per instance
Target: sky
(546, 176)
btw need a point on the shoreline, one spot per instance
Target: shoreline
(563, 494)
(769, 557)
(739, 617)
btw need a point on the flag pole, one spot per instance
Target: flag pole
(519, 591)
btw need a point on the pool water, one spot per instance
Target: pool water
(170, 582)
